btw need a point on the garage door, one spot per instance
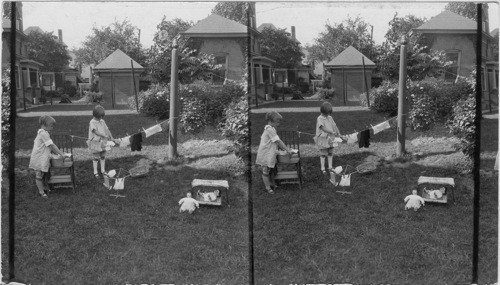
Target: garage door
(354, 86)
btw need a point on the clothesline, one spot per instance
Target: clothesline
(143, 131)
(355, 129)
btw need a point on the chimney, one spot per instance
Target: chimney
(60, 35)
(293, 32)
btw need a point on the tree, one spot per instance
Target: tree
(104, 41)
(46, 49)
(192, 65)
(236, 11)
(421, 60)
(337, 37)
(466, 9)
(279, 45)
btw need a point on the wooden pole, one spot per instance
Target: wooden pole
(283, 90)
(135, 88)
(22, 85)
(51, 93)
(401, 102)
(477, 146)
(174, 78)
(366, 82)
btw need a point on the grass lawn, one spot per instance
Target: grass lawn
(90, 237)
(320, 236)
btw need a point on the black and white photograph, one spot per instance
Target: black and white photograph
(263, 142)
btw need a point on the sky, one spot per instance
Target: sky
(76, 19)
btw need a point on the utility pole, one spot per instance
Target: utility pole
(402, 100)
(174, 78)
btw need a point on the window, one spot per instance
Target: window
(17, 74)
(280, 76)
(451, 72)
(496, 78)
(33, 78)
(219, 75)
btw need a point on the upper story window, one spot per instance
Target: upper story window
(451, 72)
(219, 76)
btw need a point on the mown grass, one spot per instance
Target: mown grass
(320, 236)
(90, 237)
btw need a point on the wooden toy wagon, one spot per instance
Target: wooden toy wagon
(210, 192)
(436, 189)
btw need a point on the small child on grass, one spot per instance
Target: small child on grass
(98, 134)
(40, 155)
(326, 131)
(268, 148)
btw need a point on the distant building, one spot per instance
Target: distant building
(349, 76)
(27, 71)
(456, 36)
(117, 82)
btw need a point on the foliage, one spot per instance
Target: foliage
(421, 61)
(462, 124)
(104, 41)
(236, 11)
(383, 99)
(423, 110)
(466, 9)
(5, 112)
(325, 93)
(207, 101)
(279, 45)
(192, 65)
(7, 8)
(70, 90)
(46, 49)
(338, 37)
(153, 102)
(235, 125)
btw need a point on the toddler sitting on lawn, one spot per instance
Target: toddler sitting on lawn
(268, 148)
(188, 204)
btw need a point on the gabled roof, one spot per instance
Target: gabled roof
(118, 60)
(448, 22)
(266, 25)
(350, 57)
(494, 32)
(215, 25)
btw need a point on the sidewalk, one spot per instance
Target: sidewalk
(74, 113)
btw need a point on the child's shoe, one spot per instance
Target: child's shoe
(270, 191)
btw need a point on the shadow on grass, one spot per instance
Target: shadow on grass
(364, 237)
(90, 237)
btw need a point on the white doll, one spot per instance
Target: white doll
(413, 201)
(188, 204)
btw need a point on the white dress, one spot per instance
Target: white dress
(413, 201)
(188, 204)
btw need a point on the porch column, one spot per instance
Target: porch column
(252, 73)
(270, 76)
(261, 76)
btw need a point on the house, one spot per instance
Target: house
(27, 71)
(301, 73)
(351, 74)
(52, 80)
(118, 77)
(456, 36)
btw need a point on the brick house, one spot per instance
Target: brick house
(27, 71)
(457, 37)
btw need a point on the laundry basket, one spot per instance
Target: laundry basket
(139, 171)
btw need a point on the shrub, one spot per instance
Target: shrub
(153, 102)
(383, 99)
(5, 113)
(192, 116)
(461, 124)
(423, 110)
(303, 87)
(324, 93)
(235, 125)
(70, 90)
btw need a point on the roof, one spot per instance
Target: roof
(117, 60)
(448, 21)
(215, 25)
(30, 29)
(494, 32)
(350, 57)
(266, 25)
